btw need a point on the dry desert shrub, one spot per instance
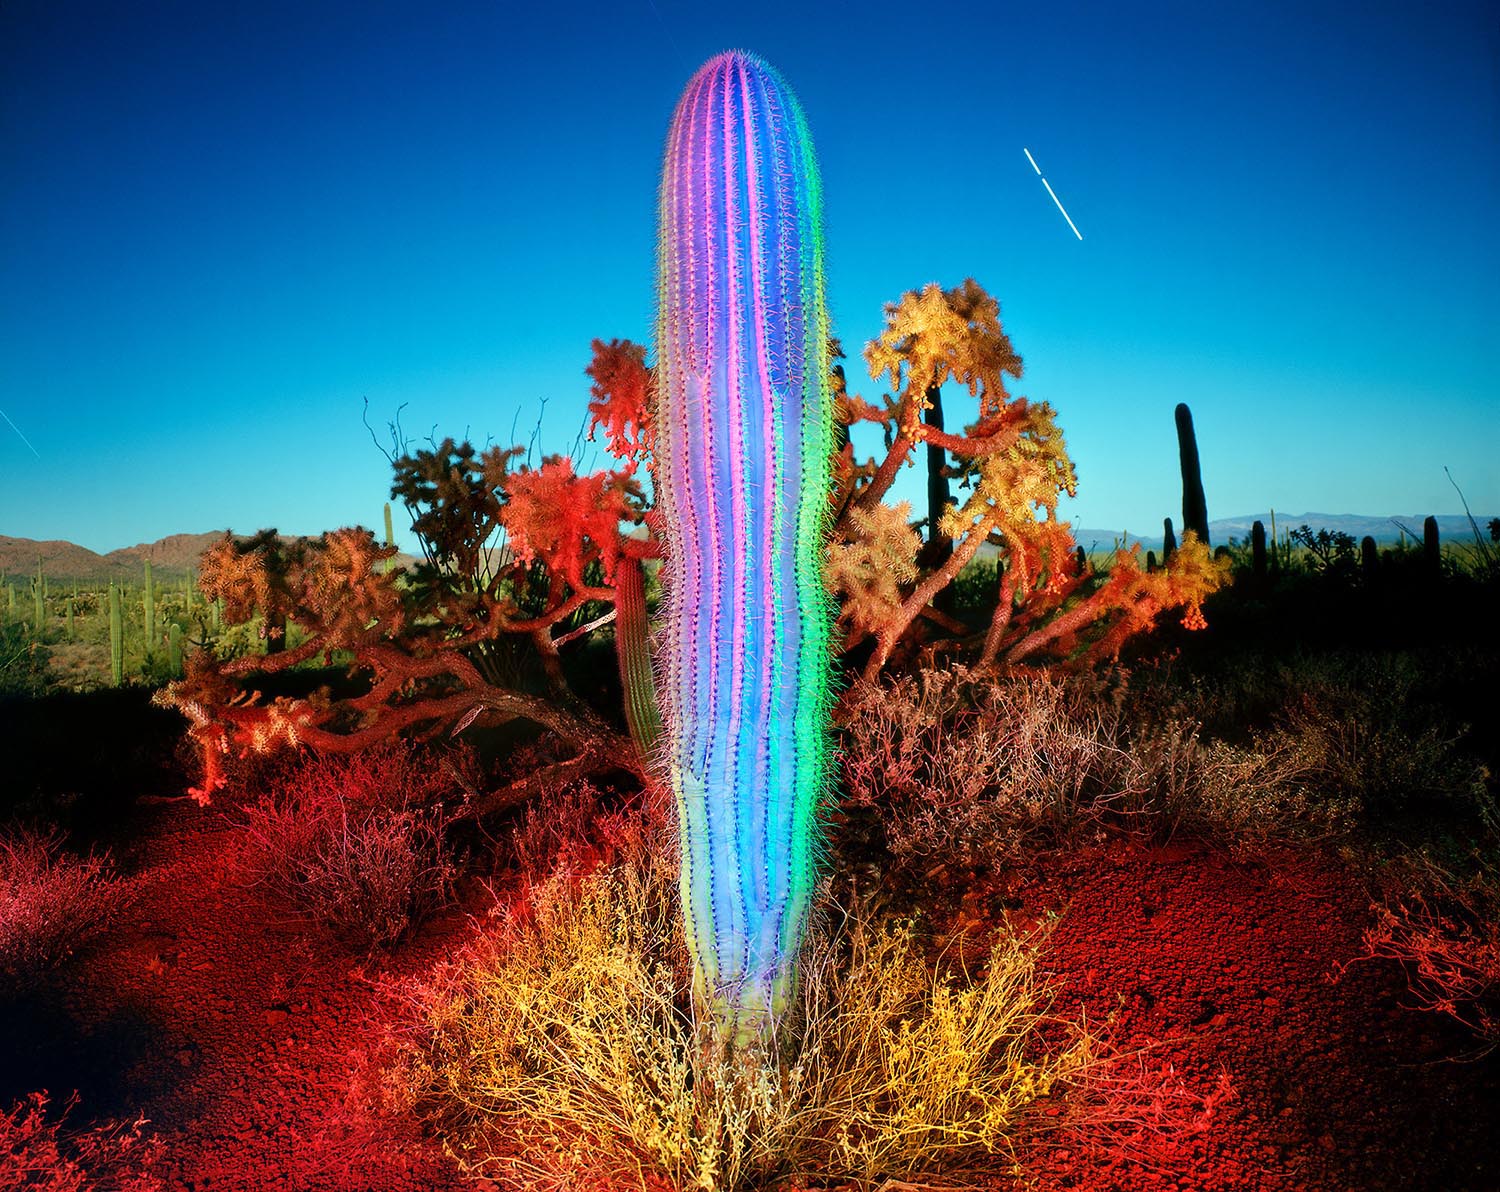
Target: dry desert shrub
(358, 843)
(560, 1050)
(52, 903)
(39, 1155)
(969, 771)
(1445, 929)
(1136, 1109)
(1369, 729)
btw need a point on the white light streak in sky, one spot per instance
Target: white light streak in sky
(24, 439)
(1051, 192)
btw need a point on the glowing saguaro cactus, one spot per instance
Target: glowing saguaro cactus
(744, 431)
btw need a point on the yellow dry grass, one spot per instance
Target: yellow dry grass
(562, 1052)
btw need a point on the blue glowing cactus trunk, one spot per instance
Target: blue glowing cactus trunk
(744, 430)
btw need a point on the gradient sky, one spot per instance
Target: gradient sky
(224, 226)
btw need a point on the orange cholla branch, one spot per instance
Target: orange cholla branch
(563, 520)
(1127, 601)
(622, 391)
(1013, 463)
(426, 643)
(867, 566)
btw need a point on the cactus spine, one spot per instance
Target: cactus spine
(1194, 505)
(116, 638)
(744, 426)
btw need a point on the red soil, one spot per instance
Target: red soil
(1220, 967)
(234, 1029)
(237, 1032)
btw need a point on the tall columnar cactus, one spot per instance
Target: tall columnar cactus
(148, 608)
(116, 638)
(939, 547)
(390, 535)
(744, 432)
(1432, 549)
(633, 650)
(1168, 539)
(1258, 549)
(39, 601)
(1194, 505)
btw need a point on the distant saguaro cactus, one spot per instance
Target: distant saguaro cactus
(1258, 549)
(116, 638)
(148, 606)
(1168, 539)
(1432, 549)
(1369, 557)
(744, 432)
(1194, 504)
(390, 535)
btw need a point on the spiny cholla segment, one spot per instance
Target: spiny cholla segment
(742, 470)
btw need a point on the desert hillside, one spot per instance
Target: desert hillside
(170, 556)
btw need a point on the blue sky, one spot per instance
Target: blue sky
(225, 226)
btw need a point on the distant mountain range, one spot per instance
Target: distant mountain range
(1385, 530)
(173, 556)
(170, 558)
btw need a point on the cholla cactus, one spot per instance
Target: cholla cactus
(743, 428)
